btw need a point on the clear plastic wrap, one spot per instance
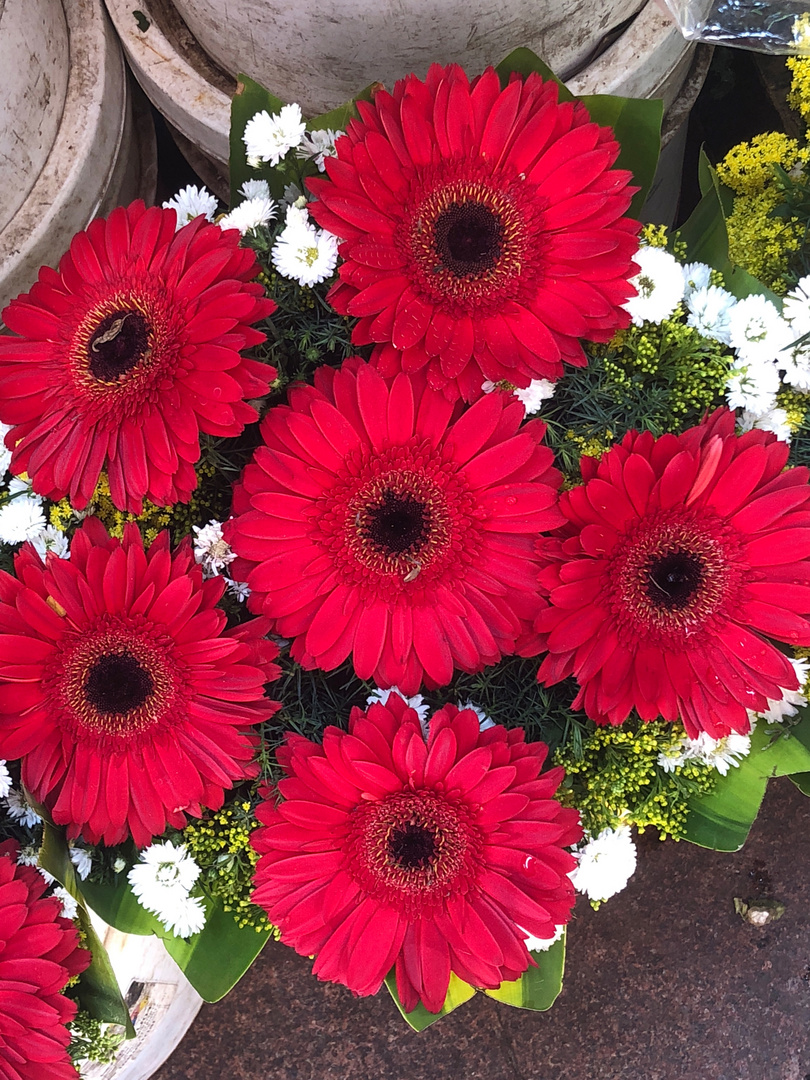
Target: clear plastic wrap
(769, 26)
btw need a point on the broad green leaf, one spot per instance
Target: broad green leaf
(525, 62)
(723, 818)
(802, 782)
(250, 98)
(539, 987)
(706, 236)
(213, 961)
(636, 124)
(338, 119)
(98, 991)
(457, 993)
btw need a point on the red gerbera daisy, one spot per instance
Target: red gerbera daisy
(438, 858)
(374, 524)
(482, 229)
(120, 691)
(127, 353)
(683, 555)
(39, 953)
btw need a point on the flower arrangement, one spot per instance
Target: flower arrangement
(311, 627)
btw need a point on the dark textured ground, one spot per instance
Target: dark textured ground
(665, 982)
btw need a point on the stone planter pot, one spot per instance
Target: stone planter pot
(320, 52)
(90, 146)
(161, 1001)
(649, 58)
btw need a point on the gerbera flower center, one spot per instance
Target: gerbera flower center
(671, 574)
(118, 679)
(674, 579)
(119, 343)
(468, 237)
(473, 241)
(412, 846)
(397, 523)
(413, 849)
(117, 684)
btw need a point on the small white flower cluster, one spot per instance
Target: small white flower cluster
(81, 859)
(270, 138)
(213, 551)
(532, 396)
(421, 708)
(718, 754)
(19, 810)
(788, 705)
(22, 517)
(303, 252)
(162, 881)
(534, 944)
(190, 202)
(766, 343)
(256, 210)
(605, 863)
(5, 780)
(317, 146)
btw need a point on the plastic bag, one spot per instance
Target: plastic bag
(769, 26)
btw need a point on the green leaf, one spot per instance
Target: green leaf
(636, 124)
(706, 237)
(802, 782)
(525, 62)
(249, 99)
(539, 987)
(722, 819)
(213, 961)
(457, 993)
(338, 119)
(98, 991)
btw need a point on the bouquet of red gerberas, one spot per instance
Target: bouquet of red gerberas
(302, 677)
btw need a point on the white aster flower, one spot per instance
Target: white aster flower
(536, 944)
(791, 700)
(709, 310)
(605, 863)
(796, 308)
(533, 395)
(696, 275)
(51, 539)
(184, 916)
(255, 189)
(774, 420)
(211, 548)
(484, 721)
(21, 519)
(719, 754)
(318, 145)
(189, 203)
(753, 387)
(165, 872)
(249, 214)
(796, 366)
(659, 285)
(5, 780)
(5, 453)
(19, 809)
(675, 755)
(302, 252)
(23, 486)
(757, 331)
(270, 138)
(82, 860)
(238, 589)
(70, 908)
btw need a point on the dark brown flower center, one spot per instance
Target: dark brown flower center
(468, 238)
(120, 341)
(397, 523)
(674, 579)
(117, 684)
(412, 846)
